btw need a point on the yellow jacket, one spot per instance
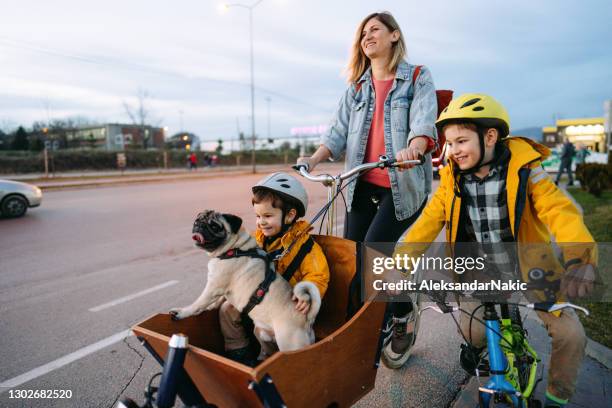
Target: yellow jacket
(314, 266)
(536, 207)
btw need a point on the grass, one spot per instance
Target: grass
(598, 218)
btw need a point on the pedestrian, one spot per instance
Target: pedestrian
(193, 161)
(383, 113)
(581, 154)
(567, 155)
(478, 195)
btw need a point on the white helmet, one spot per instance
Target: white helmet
(285, 186)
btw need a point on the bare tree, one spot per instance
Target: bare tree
(140, 115)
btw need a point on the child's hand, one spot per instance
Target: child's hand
(302, 306)
(578, 281)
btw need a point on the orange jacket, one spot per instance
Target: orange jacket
(538, 210)
(314, 266)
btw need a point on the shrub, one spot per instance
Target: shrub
(16, 162)
(594, 177)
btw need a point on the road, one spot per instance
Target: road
(79, 271)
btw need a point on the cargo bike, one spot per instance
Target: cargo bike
(336, 371)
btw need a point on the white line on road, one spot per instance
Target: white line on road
(132, 296)
(62, 361)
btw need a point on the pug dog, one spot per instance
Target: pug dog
(236, 280)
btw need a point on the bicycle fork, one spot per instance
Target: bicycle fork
(497, 384)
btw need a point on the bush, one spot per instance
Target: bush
(17, 162)
(594, 177)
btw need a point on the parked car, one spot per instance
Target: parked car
(16, 197)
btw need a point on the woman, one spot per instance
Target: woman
(383, 112)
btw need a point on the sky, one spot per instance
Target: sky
(61, 59)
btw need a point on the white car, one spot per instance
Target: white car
(16, 197)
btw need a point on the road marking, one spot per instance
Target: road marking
(62, 361)
(133, 296)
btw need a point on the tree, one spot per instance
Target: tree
(4, 144)
(20, 142)
(91, 140)
(219, 147)
(140, 115)
(285, 146)
(242, 141)
(37, 143)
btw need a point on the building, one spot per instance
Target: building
(587, 131)
(115, 136)
(184, 140)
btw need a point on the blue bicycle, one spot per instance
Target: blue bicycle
(509, 361)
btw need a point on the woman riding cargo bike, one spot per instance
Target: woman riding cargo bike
(389, 108)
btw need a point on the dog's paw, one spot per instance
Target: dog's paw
(179, 313)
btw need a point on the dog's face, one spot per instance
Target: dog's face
(211, 229)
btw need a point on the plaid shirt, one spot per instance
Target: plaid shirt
(488, 221)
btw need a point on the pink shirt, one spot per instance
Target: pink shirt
(376, 137)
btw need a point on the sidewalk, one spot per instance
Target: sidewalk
(84, 179)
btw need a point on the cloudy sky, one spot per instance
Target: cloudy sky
(66, 58)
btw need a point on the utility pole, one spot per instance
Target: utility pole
(268, 101)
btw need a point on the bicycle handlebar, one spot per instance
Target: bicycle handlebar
(548, 307)
(442, 307)
(553, 307)
(383, 161)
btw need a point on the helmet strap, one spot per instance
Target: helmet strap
(287, 225)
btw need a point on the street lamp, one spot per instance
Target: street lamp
(225, 7)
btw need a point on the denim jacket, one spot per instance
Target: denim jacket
(408, 113)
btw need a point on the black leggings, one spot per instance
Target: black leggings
(372, 219)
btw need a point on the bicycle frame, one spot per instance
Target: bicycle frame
(504, 380)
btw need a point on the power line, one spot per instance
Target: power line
(147, 69)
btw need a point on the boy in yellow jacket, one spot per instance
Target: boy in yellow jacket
(279, 201)
(494, 190)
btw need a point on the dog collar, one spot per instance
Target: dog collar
(237, 252)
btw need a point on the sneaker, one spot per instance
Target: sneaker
(397, 348)
(554, 402)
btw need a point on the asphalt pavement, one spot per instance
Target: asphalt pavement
(78, 272)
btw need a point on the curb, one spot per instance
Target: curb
(599, 352)
(110, 182)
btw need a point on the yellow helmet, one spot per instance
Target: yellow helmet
(478, 108)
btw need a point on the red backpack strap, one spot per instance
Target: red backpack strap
(416, 73)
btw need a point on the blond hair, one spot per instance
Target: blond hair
(359, 62)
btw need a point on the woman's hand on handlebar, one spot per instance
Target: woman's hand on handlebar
(415, 149)
(322, 154)
(308, 161)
